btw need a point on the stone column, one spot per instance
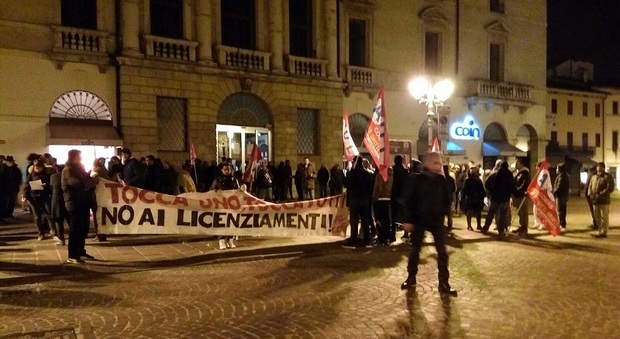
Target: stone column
(130, 17)
(204, 27)
(275, 35)
(331, 45)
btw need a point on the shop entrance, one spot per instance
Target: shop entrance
(236, 142)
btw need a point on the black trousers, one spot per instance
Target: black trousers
(79, 222)
(440, 246)
(561, 201)
(41, 211)
(384, 221)
(360, 211)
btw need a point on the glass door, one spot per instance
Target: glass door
(236, 142)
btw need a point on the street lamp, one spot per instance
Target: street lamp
(431, 96)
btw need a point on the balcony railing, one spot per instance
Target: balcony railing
(77, 39)
(167, 48)
(360, 75)
(306, 66)
(242, 58)
(500, 90)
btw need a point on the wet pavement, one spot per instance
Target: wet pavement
(183, 287)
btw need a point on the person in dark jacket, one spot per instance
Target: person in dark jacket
(299, 181)
(132, 174)
(151, 179)
(280, 182)
(359, 185)
(520, 199)
(473, 195)
(561, 188)
(336, 180)
(451, 183)
(39, 199)
(12, 181)
(322, 177)
(224, 182)
(169, 179)
(77, 188)
(499, 186)
(59, 211)
(591, 173)
(600, 189)
(398, 183)
(288, 175)
(264, 183)
(426, 202)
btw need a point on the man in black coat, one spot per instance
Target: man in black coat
(398, 183)
(499, 186)
(132, 174)
(426, 202)
(12, 177)
(359, 193)
(522, 182)
(561, 188)
(152, 177)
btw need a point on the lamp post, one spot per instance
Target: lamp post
(432, 96)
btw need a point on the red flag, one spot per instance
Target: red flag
(248, 176)
(192, 153)
(376, 137)
(540, 192)
(435, 147)
(350, 150)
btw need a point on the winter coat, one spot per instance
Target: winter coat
(399, 180)
(500, 185)
(600, 188)
(152, 178)
(522, 181)
(310, 176)
(336, 181)
(426, 200)
(132, 173)
(451, 185)
(77, 187)
(473, 194)
(12, 178)
(561, 186)
(186, 183)
(359, 186)
(225, 182)
(383, 189)
(38, 196)
(322, 176)
(264, 179)
(169, 180)
(58, 203)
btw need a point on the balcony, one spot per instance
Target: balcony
(247, 59)
(356, 75)
(162, 48)
(80, 45)
(499, 93)
(296, 65)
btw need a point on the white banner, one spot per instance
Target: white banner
(130, 210)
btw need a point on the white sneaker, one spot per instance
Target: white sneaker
(222, 244)
(231, 243)
(542, 227)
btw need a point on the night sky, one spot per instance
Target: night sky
(585, 30)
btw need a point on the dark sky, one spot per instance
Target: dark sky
(585, 30)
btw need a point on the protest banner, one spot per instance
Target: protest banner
(540, 192)
(130, 210)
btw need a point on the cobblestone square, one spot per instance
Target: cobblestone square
(182, 287)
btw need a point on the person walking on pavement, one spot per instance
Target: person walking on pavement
(77, 188)
(39, 198)
(601, 186)
(520, 199)
(381, 203)
(591, 173)
(561, 188)
(499, 186)
(359, 193)
(473, 195)
(426, 202)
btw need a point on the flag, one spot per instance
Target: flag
(248, 176)
(435, 147)
(376, 137)
(192, 153)
(540, 192)
(350, 150)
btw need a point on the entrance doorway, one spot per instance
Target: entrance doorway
(236, 142)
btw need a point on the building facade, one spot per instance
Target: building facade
(159, 75)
